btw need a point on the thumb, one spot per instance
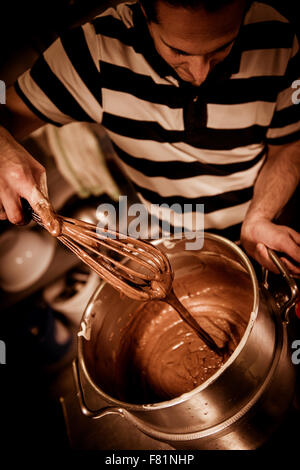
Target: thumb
(42, 185)
(264, 259)
(42, 206)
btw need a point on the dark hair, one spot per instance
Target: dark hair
(209, 5)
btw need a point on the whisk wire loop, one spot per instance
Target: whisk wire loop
(105, 252)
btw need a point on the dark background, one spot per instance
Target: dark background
(28, 27)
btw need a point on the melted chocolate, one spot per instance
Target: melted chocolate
(160, 357)
(50, 220)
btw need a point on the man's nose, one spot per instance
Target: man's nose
(199, 67)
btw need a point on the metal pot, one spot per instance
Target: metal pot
(236, 408)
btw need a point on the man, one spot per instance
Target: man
(197, 98)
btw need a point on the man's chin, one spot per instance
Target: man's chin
(183, 77)
(190, 82)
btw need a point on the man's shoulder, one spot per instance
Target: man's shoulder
(274, 20)
(286, 11)
(121, 13)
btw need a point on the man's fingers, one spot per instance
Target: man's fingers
(284, 240)
(50, 222)
(3, 215)
(40, 178)
(43, 184)
(41, 206)
(262, 256)
(292, 248)
(291, 253)
(287, 242)
(295, 236)
(264, 259)
(293, 268)
(12, 207)
(29, 191)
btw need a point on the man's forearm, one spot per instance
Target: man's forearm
(17, 118)
(276, 182)
(275, 185)
(7, 142)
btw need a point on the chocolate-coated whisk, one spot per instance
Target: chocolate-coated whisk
(149, 267)
(148, 276)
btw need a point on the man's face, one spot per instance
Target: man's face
(194, 41)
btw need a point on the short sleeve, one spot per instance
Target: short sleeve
(285, 125)
(64, 84)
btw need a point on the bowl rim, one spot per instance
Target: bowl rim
(44, 262)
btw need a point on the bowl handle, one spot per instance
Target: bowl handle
(94, 414)
(285, 307)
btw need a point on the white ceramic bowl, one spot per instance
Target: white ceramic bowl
(25, 256)
(74, 306)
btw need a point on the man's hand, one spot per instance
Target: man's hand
(21, 176)
(274, 186)
(259, 233)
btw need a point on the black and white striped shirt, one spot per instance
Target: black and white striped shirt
(176, 143)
